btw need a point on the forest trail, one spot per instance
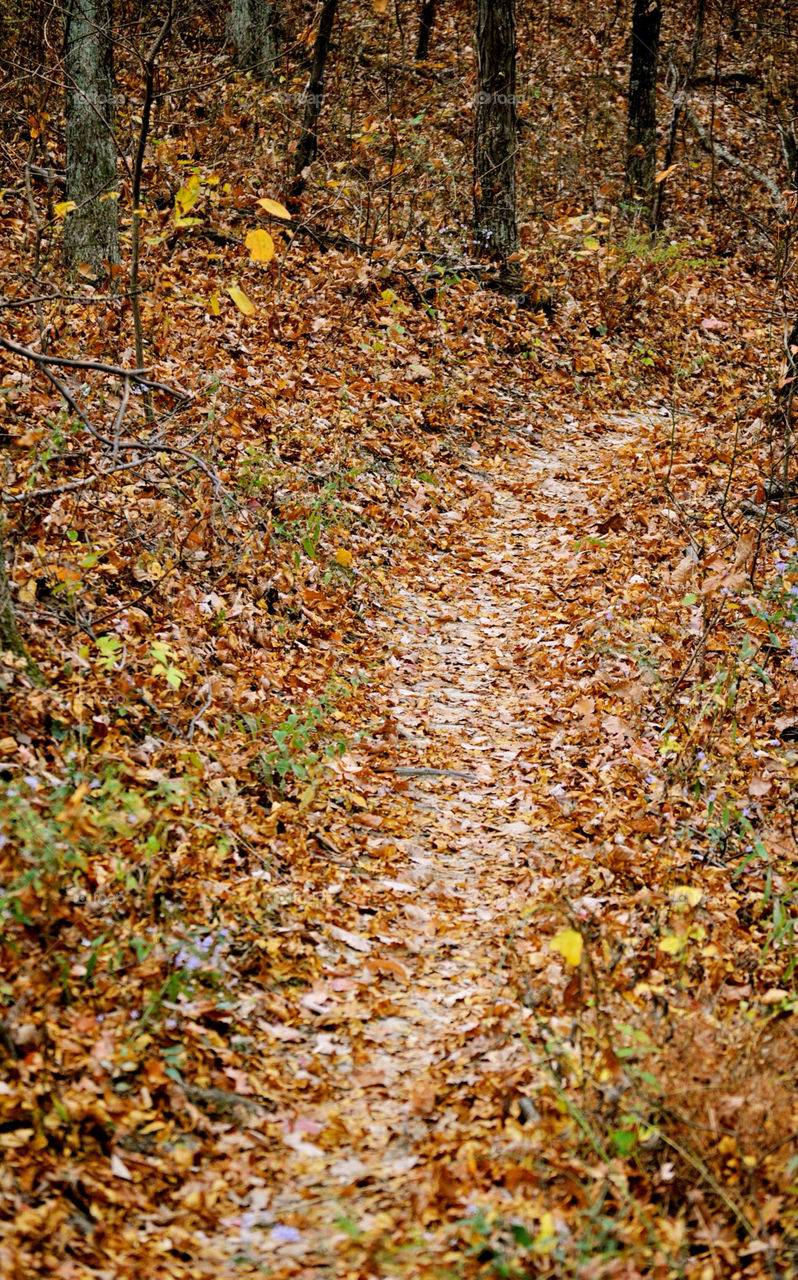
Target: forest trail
(421, 1027)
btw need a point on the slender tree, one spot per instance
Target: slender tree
(253, 30)
(425, 23)
(641, 134)
(308, 144)
(10, 639)
(91, 233)
(495, 228)
(680, 100)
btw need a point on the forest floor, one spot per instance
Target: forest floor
(485, 999)
(503, 1018)
(398, 863)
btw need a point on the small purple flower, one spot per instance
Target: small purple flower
(283, 1234)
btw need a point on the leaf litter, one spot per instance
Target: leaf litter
(399, 867)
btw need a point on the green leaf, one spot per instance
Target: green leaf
(623, 1140)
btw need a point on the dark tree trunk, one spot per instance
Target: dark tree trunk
(495, 229)
(424, 28)
(10, 639)
(253, 30)
(641, 135)
(308, 144)
(91, 232)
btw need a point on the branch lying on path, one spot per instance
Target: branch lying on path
(222, 1102)
(93, 366)
(723, 153)
(412, 771)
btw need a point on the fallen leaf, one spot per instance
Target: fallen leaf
(568, 943)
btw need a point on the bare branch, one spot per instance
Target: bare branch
(98, 366)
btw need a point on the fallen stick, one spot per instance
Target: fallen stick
(762, 513)
(723, 153)
(422, 771)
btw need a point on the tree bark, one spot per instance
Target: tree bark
(495, 140)
(424, 28)
(10, 639)
(308, 144)
(680, 99)
(253, 30)
(91, 231)
(641, 134)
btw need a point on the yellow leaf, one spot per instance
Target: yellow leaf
(568, 943)
(213, 304)
(241, 300)
(307, 797)
(545, 1240)
(273, 206)
(187, 196)
(260, 245)
(380, 7)
(681, 893)
(353, 797)
(590, 242)
(671, 944)
(63, 208)
(343, 557)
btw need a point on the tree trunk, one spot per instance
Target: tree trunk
(641, 134)
(91, 232)
(252, 27)
(495, 230)
(10, 639)
(680, 98)
(308, 144)
(424, 28)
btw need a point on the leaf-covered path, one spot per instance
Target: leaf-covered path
(423, 1024)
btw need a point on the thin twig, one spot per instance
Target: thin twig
(68, 362)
